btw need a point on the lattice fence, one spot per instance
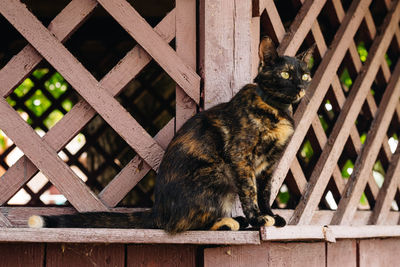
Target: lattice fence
(340, 167)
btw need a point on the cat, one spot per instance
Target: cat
(228, 150)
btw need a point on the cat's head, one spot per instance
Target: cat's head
(282, 78)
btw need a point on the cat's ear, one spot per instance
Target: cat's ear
(267, 52)
(306, 55)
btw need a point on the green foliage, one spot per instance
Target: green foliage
(38, 103)
(323, 123)
(362, 51)
(347, 169)
(24, 87)
(388, 60)
(39, 73)
(346, 79)
(56, 85)
(363, 137)
(283, 197)
(307, 151)
(53, 118)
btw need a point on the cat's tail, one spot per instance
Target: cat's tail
(143, 219)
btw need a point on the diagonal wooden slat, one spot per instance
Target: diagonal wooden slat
(143, 33)
(83, 82)
(300, 27)
(365, 161)
(62, 26)
(4, 222)
(330, 154)
(133, 172)
(58, 136)
(47, 160)
(270, 8)
(388, 191)
(319, 86)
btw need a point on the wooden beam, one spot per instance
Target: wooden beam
(47, 160)
(186, 37)
(143, 236)
(160, 50)
(330, 154)
(311, 232)
(272, 12)
(81, 113)
(307, 109)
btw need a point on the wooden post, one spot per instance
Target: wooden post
(225, 48)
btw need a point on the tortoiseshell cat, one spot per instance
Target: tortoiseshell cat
(227, 150)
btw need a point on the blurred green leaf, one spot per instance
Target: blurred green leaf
(362, 51)
(11, 101)
(39, 73)
(347, 169)
(323, 123)
(307, 151)
(56, 85)
(53, 118)
(388, 60)
(38, 103)
(284, 197)
(363, 137)
(24, 87)
(67, 104)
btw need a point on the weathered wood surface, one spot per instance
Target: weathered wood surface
(319, 86)
(161, 255)
(329, 156)
(70, 125)
(379, 252)
(21, 255)
(267, 254)
(87, 86)
(186, 37)
(143, 33)
(144, 236)
(47, 160)
(85, 255)
(343, 253)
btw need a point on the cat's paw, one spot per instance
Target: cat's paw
(279, 221)
(226, 224)
(263, 220)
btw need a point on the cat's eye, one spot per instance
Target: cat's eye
(285, 75)
(306, 77)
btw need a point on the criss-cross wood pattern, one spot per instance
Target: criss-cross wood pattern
(40, 153)
(363, 115)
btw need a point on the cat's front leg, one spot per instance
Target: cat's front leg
(247, 190)
(264, 195)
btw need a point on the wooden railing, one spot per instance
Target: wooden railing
(228, 40)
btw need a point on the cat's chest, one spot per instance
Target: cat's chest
(271, 143)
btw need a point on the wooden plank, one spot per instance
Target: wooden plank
(85, 255)
(250, 255)
(161, 255)
(160, 50)
(216, 50)
(320, 232)
(133, 172)
(242, 40)
(87, 86)
(18, 216)
(255, 41)
(47, 160)
(379, 252)
(319, 86)
(365, 161)
(14, 254)
(300, 27)
(325, 165)
(145, 236)
(62, 26)
(81, 113)
(268, 254)
(343, 253)
(186, 37)
(388, 190)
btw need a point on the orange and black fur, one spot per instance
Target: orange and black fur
(227, 150)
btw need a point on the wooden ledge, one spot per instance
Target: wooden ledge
(328, 233)
(142, 236)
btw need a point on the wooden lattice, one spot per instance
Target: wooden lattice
(363, 115)
(153, 43)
